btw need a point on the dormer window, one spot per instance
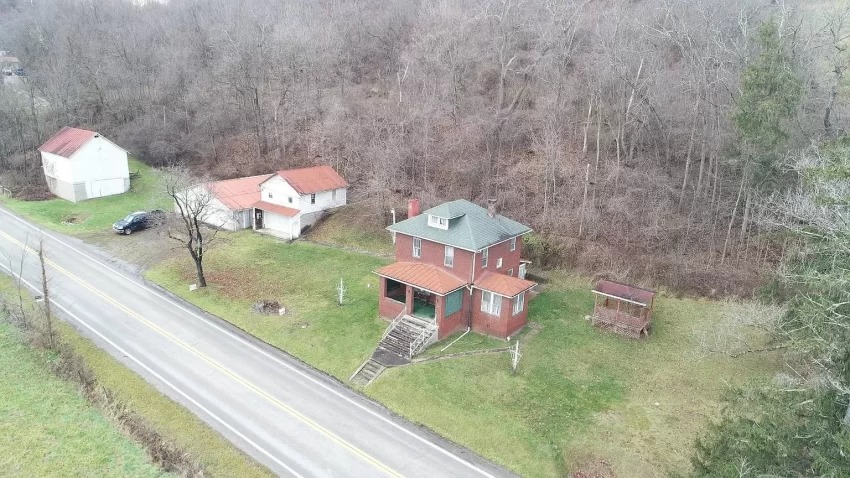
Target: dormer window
(438, 222)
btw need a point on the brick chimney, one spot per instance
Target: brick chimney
(412, 207)
(491, 207)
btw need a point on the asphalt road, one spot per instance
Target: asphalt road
(291, 418)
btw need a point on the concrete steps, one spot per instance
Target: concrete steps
(405, 333)
(367, 373)
(395, 348)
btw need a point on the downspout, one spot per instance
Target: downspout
(471, 305)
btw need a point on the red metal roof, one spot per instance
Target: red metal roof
(67, 141)
(239, 193)
(276, 208)
(632, 293)
(502, 284)
(313, 180)
(424, 276)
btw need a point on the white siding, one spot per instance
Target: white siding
(218, 215)
(102, 166)
(286, 226)
(57, 167)
(97, 169)
(277, 191)
(324, 200)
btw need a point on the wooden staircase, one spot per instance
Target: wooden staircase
(409, 336)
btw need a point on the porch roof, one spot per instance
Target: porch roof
(424, 276)
(504, 285)
(276, 208)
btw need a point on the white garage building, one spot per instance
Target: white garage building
(80, 164)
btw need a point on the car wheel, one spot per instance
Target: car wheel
(128, 231)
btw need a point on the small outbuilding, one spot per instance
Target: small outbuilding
(621, 308)
(80, 164)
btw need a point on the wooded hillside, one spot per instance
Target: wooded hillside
(640, 137)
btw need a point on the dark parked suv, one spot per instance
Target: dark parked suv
(137, 221)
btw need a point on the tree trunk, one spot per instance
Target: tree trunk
(846, 421)
(732, 219)
(199, 268)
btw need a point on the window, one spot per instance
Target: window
(290, 200)
(519, 303)
(499, 263)
(270, 195)
(491, 303)
(513, 244)
(484, 256)
(417, 247)
(453, 302)
(449, 260)
(313, 198)
(438, 222)
(511, 272)
(395, 290)
(333, 195)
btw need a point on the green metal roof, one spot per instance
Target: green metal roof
(470, 226)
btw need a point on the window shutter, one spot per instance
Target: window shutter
(454, 301)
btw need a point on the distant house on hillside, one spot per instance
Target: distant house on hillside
(8, 64)
(80, 164)
(282, 204)
(458, 265)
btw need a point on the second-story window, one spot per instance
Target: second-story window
(270, 195)
(290, 199)
(499, 263)
(449, 260)
(417, 247)
(513, 244)
(485, 254)
(313, 198)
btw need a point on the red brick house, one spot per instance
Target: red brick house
(457, 265)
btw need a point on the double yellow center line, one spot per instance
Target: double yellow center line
(275, 401)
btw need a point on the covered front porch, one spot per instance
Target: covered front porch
(422, 291)
(412, 300)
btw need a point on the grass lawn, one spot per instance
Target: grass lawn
(48, 429)
(366, 236)
(303, 277)
(95, 215)
(580, 396)
(170, 419)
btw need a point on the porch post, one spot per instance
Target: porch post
(408, 299)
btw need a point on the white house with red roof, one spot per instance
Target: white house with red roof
(80, 164)
(281, 204)
(294, 199)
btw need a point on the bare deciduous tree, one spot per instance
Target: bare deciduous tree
(194, 206)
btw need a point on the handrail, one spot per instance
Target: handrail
(393, 324)
(423, 336)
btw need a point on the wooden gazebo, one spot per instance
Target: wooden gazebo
(621, 308)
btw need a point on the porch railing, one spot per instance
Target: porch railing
(426, 334)
(393, 324)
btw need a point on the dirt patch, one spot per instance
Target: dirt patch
(595, 468)
(72, 219)
(144, 249)
(268, 307)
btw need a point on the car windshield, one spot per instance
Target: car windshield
(129, 218)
